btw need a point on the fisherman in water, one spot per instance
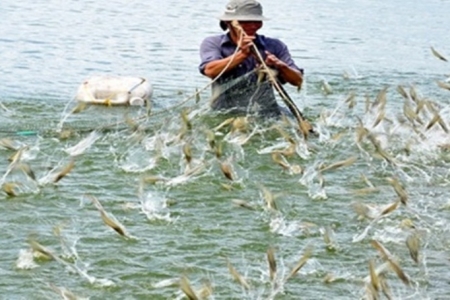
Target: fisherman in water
(238, 90)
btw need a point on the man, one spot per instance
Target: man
(237, 89)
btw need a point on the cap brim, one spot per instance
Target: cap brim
(226, 18)
(242, 18)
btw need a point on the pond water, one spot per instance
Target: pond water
(189, 225)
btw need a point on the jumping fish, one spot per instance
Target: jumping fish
(413, 244)
(303, 260)
(401, 90)
(63, 173)
(339, 164)
(107, 219)
(83, 144)
(187, 289)
(437, 54)
(272, 263)
(185, 118)
(386, 255)
(227, 170)
(242, 203)
(237, 277)
(444, 85)
(374, 280)
(399, 189)
(9, 144)
(187, 152)
(10, 188)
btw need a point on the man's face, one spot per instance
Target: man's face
(251, 27)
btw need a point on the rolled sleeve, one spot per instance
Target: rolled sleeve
(209, 51)
(284, 54)
(280, 50)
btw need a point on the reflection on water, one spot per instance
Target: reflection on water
(167, 183)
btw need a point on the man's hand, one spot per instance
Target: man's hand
(245, 45)
(273, 61)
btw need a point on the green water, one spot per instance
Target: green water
(192, 227)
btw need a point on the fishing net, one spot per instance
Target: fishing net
(247, 94)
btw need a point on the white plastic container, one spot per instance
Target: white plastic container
(115, 90)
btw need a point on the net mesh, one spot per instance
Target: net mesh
(246, 94)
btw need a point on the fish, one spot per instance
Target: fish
(410, 114)
(108, 220)
(197, 96)
(325, 87)
(361, 132)
(227, 187)
(305, 128)
(350, 100)
(205, 291)
(339, 164)
(10, 188)
(374, 280)
(9, 144)
(44, 251)
(379, 150)
(269, 198)
(303, 260)
(187, 152)
(224, 123)
(413, 244)
(65, 134)
(17, 156)
(365, 191)
(187, 289)
(272, 263)
(328, 238)
(227, 170)
(63, 173)
(385, 287)
(437, 119)
(396, 268)
(211, 138)
(242, 203)
(386, 255)
(154, 179)
(380, 100)
(218, 150)
(239, 124)
(280, 160)
(84, 144)
(380, 117)
(443, 85)
(329, 278)
(401, 90)
(437, 54)
(399, 189)
(237, 277)
(185, 118)
(27, 170)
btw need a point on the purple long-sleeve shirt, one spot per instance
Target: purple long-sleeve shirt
(234, 91)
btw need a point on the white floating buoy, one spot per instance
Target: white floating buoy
(115, 90)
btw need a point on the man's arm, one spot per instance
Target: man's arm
(289, 74)
(213, 62)
(215, 67)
